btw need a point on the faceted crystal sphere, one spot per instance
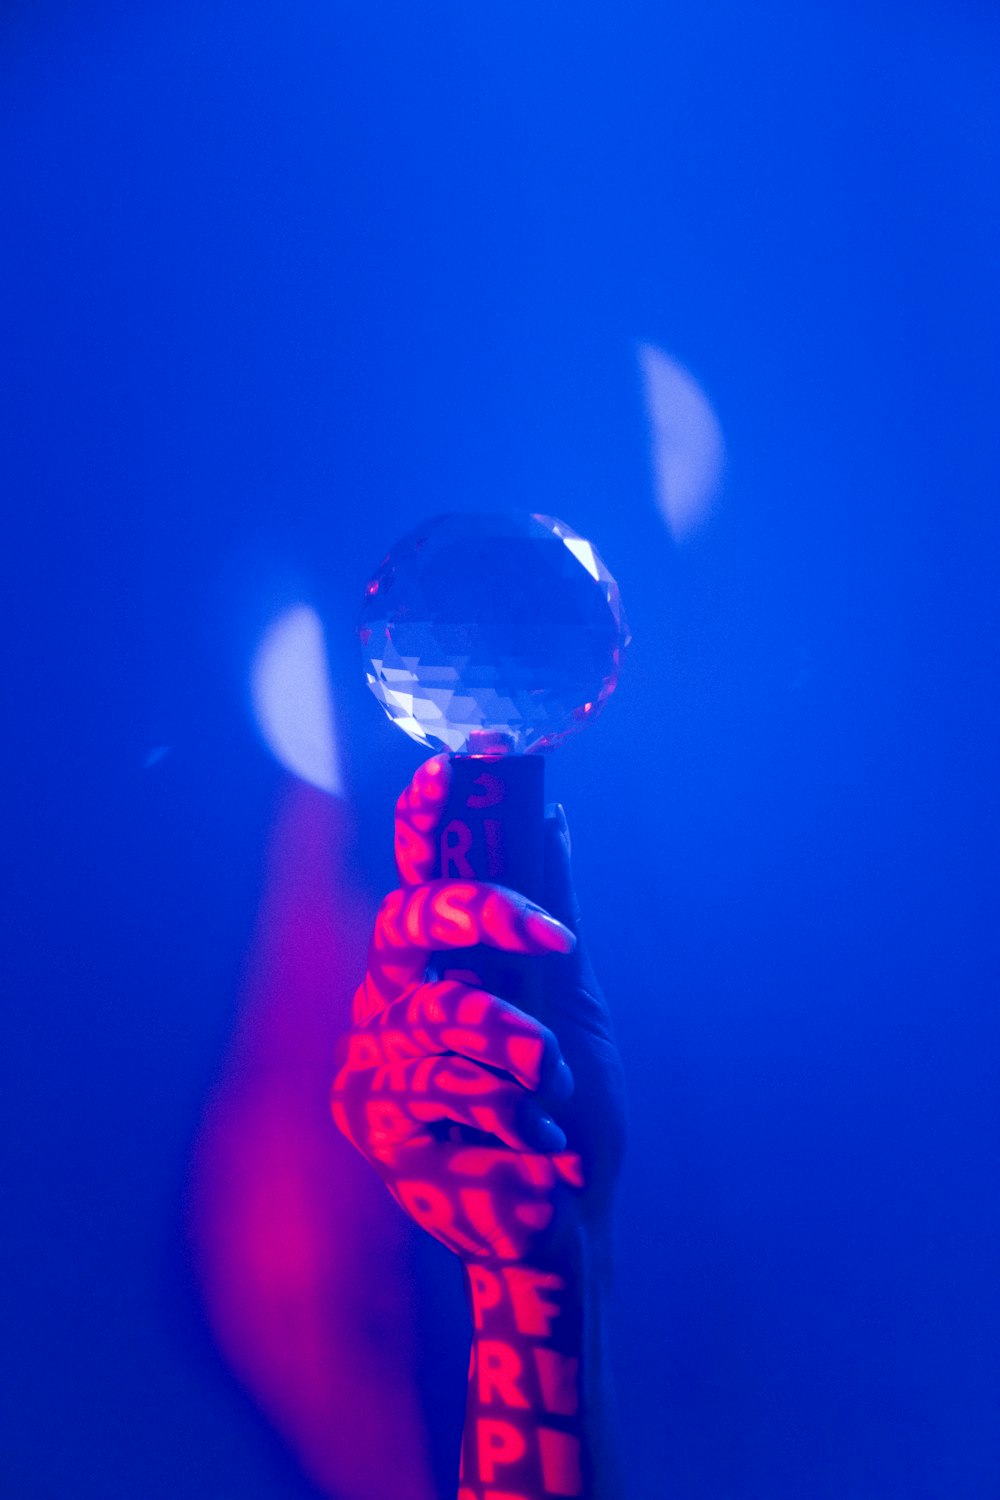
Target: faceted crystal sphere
(492, 634)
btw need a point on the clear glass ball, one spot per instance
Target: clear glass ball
(492, 633)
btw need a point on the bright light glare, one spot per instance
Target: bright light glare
(686, 441)
(584, 553)
(290, 689)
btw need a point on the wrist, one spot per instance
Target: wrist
(540, 1417)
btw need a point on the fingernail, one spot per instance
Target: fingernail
(562, 1082)
(555, 814)
(550, 1136)
(549, 933)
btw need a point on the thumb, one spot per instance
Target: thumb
(576, 993)
(560, 896)
(560, 893)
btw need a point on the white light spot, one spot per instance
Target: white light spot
(583, 552)
(685, 438)
(290, 689)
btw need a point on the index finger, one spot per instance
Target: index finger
(448, 914)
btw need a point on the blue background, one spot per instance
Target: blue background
(275, 283)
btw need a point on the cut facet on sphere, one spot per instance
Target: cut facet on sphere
(492, 634)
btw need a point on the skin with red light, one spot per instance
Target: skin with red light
(501, 1134)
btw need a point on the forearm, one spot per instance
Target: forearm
(540, 1417)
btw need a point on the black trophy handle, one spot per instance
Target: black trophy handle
(493, 830)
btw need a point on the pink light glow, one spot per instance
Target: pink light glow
(288, 1224)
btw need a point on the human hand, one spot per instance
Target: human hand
(462, 1102)
(501, 1133)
